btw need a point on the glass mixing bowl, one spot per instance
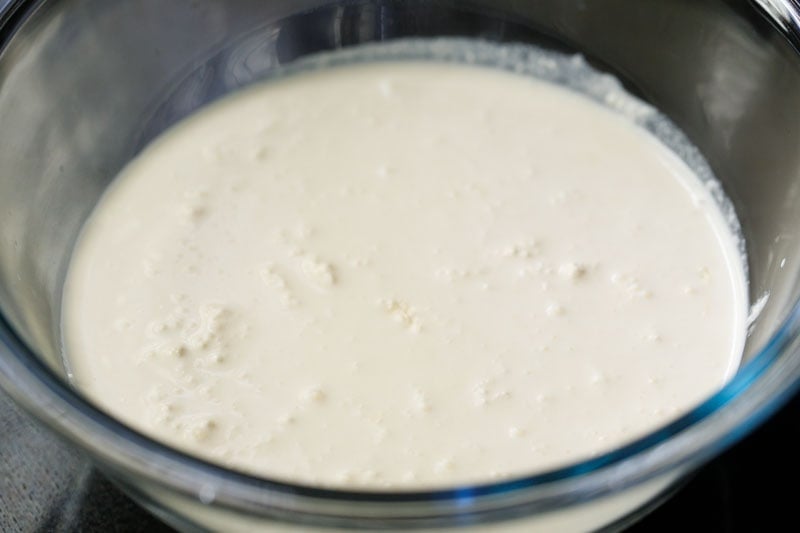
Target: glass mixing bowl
(85, 84)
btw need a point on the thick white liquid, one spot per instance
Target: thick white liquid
(403, 275)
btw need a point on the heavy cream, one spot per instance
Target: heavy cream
(403, 274)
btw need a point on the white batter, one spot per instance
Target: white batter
(403, 275)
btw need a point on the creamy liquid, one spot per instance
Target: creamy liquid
(403, 274)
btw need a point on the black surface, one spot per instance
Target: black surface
(750, 488)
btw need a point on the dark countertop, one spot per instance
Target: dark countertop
(47, 486)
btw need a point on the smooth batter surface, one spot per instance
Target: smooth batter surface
(403, 274)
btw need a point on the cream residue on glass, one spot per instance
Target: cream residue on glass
(404, 274)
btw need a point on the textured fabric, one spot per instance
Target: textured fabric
(48, 486)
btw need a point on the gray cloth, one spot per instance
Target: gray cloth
(47, 485)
